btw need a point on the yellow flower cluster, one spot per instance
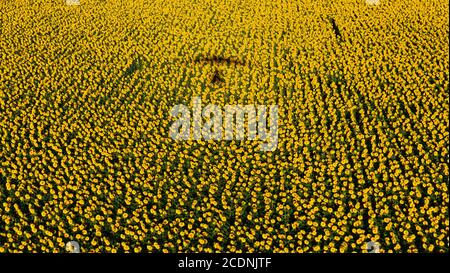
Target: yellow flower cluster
(85, 151)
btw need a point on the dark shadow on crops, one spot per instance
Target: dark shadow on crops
(335, 27)
(217, 77)
(136, 65)
(220, 60)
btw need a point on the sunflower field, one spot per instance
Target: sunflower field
(363, 133)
